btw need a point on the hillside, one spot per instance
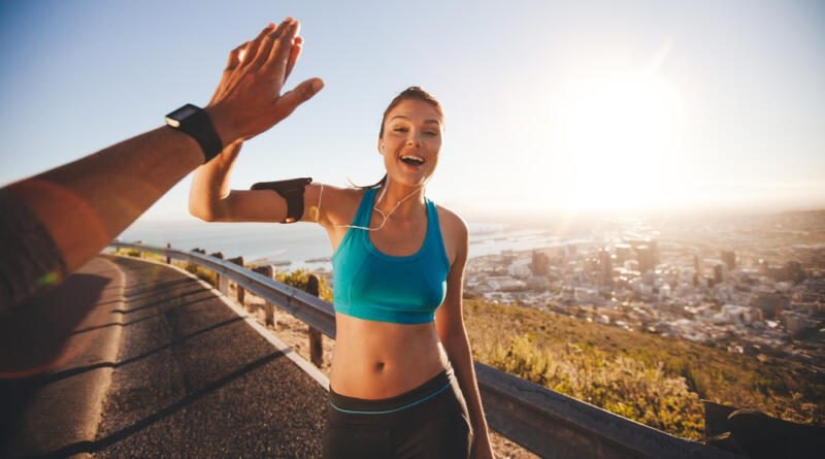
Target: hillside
(655, 380)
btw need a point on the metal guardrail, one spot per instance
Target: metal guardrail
(548, 423)
(311, 310)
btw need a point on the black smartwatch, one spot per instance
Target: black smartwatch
(194, 121)
(292, 191)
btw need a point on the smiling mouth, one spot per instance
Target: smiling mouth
(412, 160)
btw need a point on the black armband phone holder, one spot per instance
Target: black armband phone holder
(292, 191)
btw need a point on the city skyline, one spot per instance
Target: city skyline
(550, 106)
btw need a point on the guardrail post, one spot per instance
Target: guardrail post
(223, 281)
(316, 345)
(269, 308)
(241, 293)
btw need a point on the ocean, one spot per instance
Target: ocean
(305, 245)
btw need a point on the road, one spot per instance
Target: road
(188, 377)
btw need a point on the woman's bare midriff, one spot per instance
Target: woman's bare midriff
(376, 360)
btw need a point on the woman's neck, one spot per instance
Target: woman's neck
(398, 200)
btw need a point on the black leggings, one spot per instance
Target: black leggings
(430, 421)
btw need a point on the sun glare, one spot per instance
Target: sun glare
(622, 132)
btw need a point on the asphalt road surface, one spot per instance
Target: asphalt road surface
(189, 378)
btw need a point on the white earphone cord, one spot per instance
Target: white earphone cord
(384, 216)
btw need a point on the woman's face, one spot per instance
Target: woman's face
(411, 142)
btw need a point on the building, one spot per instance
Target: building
(729, 258)
(505, 284)
(647, 257)
(735, 314)
(623, 252)
(795, 322)
(605, 268)
(720, 274)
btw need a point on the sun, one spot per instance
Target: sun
(622, 132)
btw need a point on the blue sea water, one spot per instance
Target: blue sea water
(303, 245)
(258, 243)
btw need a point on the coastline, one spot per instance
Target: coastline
(291, 247)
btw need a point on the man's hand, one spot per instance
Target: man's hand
(249, 99)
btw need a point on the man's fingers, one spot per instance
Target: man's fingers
(232, 64)
(254, 45)
(279, 55)
(267, 42)
(294, 54)
(289, 101)
(235, 57)
(254, 77)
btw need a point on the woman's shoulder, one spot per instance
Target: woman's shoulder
(451, 223)
(338, 205)
(343, 193)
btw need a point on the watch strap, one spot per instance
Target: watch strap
(195, 122)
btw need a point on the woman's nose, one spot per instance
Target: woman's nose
(413, 138)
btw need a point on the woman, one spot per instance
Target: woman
(402, 382)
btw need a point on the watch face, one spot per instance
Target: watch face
(185, 112)
(194, 121)
(175, 118)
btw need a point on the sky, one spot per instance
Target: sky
(550, 106)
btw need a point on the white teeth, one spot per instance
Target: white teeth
(410, 158)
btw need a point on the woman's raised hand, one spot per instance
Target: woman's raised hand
(250, 98)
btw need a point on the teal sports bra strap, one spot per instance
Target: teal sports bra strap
(364, 214)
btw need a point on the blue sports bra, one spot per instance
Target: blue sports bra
(371, 285)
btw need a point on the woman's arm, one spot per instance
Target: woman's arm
(450, 325)
(210, 196)
(212, 200)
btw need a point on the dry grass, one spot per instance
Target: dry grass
(648, 373)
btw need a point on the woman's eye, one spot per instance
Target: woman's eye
(430, 133)
(401, 129)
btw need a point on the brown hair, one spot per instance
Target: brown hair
(411, 93)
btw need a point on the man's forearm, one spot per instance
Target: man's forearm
(53, 223)
(83, 205)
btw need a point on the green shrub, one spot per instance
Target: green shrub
(128, 252)
(141, 254)
(202, 273)
(620, 384)
(579, 359)
(300, 279)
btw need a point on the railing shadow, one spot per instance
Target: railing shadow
(34, 335)
(126, 432)
(34, 340)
